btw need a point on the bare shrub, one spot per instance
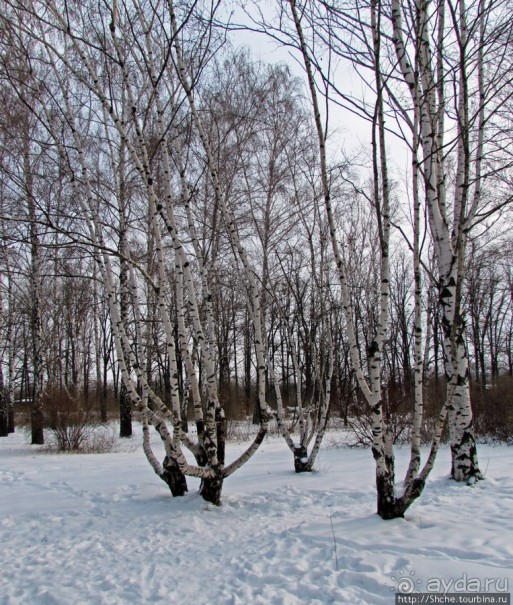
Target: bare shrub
(493, 407)
(72, 423)
(240, 430)
(101, 440)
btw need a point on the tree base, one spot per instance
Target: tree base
(390, 507)
(125, 413)
(10, 423)
(174, 478)
(301, 461)
(210, 490)
(3, 425)
(37, 432)
(125, 427)
(465, 466)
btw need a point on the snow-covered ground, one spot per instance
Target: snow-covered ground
(102, 529)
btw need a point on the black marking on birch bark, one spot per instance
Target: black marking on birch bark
(201, 456)
(389, 507)
(373, 349)
(377, 453)
(260, 436)
(461, 380)
(173, 477)
(413, 491)
(301, 463)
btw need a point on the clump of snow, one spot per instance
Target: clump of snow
(102, 529)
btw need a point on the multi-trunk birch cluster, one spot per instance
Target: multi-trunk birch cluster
(74, 63)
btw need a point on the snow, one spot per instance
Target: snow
(102, 529)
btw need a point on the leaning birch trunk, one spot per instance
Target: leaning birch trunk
(170, 472)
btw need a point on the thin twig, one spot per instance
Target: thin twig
(334, 542)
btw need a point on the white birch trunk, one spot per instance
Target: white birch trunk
(448, 246)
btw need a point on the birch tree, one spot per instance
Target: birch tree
(149, 55)
(269, 168)
(311, 29)
(389, 504)
(444, 59)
